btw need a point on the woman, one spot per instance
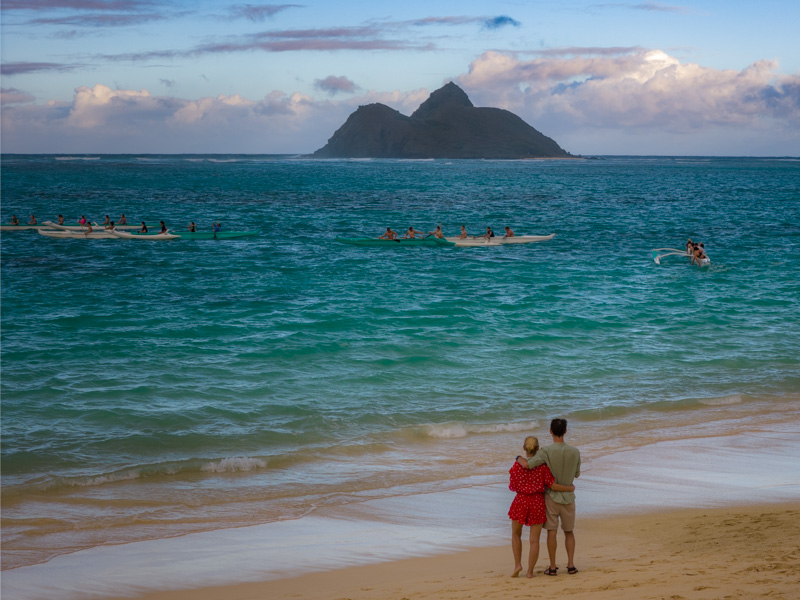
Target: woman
(163, 227)
(122, 220)
(144, 228)
(528, 507)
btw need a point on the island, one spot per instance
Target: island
(446, 125)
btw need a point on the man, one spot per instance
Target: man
(390, 234)
(564, 462)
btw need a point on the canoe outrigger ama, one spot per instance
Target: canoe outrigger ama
(659, 253)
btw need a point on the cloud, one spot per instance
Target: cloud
(22, 68)
(101, 20)
(646, 6)
(259, 12)
(102, 5)
(333, 85)
(499, 22)
(14, 96)
(167, 82)
(645, 90)
(101, 119)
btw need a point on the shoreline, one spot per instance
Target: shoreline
(374, 532)
(743, 552)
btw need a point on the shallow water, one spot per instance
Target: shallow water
(152, 390)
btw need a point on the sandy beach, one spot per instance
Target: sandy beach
(744, 552)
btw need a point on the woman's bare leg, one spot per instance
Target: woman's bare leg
(516, 546)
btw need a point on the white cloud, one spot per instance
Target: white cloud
(645, 90)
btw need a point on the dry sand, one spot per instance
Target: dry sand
(744, 552)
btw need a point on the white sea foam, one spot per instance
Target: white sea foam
(232, 465)
(461, 430)
(722, 401)
(77, 158)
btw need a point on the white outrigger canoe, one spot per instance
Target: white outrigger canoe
(659, 253)
(95, 226)
(97, 234)
(147, 237)
(499, 240)
(21, 227)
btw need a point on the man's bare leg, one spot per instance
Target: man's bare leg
(533, 555)
(569, 544)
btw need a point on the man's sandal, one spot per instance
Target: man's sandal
(549, 571)
(572, 570)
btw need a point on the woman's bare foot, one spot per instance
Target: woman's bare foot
(530, 574)
(517, 570)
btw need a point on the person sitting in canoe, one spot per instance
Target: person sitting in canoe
(88, 228)
(33, 220)
(509, 233)
(489, 234)
(412, 233)
(463, 235)
(82, 220)
(390, 234)
(437, 233)
(106, 221)
(699, 254)
(216, 227)
(192, 227)
(163, 227)
(110, 226)
(14, 220)
(144, 228)
(122, 220)
(60, 219)
(690, 246)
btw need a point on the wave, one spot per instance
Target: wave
(77, 157)
(234, 465)
(460, 430)
(722, 400)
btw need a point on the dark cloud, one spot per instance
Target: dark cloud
(93, 5)
(101, 20)
(333, 85)
(167, 82)
(21, 68)
(14, 96)
(259, 12)
(588, 51)
(499, 22)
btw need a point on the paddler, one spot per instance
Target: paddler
(412, 233)
(390, 234)
(437, 233)
(509, 233)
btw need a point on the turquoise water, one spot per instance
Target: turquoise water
(152, 389)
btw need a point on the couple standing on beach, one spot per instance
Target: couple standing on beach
(545, 494)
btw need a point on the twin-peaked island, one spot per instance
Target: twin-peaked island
(446, 125)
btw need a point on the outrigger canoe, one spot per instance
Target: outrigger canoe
(660, 253)
(147, 237)
(10, 227)
(97, 234)
(366, 241)
(500, 240)
(83, 227)
(210, 235)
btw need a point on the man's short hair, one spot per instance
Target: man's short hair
(558, 427)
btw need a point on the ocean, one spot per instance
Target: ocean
(156, 390)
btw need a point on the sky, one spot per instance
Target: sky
(600, 77)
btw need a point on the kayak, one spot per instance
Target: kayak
(77, 235)
(210, 235)
(366, 241)
(500, 240)
(148, 237)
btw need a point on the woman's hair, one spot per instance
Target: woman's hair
(531, 445)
